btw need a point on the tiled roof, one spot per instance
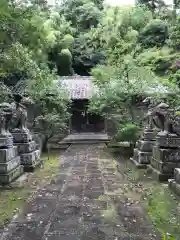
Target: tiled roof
(78, 87)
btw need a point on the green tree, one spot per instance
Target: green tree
(155, 33)
(84, 13)
(152, 4)
(53, 116)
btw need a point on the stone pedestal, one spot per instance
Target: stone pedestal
(29, 155)
(6, 142)
(10, 167)
(174, 184)
(143, 151)
(165, 157)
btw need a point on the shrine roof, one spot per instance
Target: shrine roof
(78, 87)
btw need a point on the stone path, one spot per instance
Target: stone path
(85, 203)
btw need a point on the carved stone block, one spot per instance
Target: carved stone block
(144, 145)
(177, 175)
(174, 186)
(21, 137)
(9, 166)
(148, 134)
(26, 147)
(166, 155)
(170, 141)
(162, 177)
(164, 167)
(7, 154)
(6, 142)
(7, 178)
(30, 158)
(142, 157)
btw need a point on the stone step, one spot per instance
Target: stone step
(58, 146)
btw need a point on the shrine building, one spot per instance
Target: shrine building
(80, 89)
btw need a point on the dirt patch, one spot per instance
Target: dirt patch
(157, 200)
(15, 195)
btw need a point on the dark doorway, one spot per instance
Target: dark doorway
(82, 121)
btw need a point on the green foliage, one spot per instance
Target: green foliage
(154, 34)
(128, 50)
(159, 60)
(64, 62)
(4, 92)
(53, 114)
(119, 92)
(84, 13)
(162, 208)
(128, 132)
(174, 40)
(152, 4)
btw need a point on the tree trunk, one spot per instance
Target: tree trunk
(174, 9)
(44, 147)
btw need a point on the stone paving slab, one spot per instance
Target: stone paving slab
(84, 203)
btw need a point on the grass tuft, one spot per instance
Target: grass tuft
(13, 198)
(162, 206)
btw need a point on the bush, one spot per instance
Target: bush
(128, 132)
(154, 34)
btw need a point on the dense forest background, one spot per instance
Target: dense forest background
(128, 50)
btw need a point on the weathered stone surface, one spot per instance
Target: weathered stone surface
(165, 167)
(10, 165)
(6, 142)
(30, 158)
(68, 207)
(148, 134)
(26, 147)
(21, 137)
(8, 154)
(35, 164)
(138, 165)
(145, 146)
(166, 155)
(174, 186)
(170, 141)
(177, 175)
(7, 178)
(142, 157)
(161, 177)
